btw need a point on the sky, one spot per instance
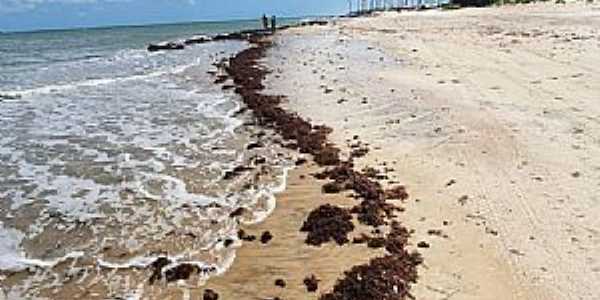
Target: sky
(27, 15)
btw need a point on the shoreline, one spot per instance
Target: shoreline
(374, 210)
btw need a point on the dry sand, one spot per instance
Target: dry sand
(490, 117)
(487, 115)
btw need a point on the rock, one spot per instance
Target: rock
(197, 40)
(165, 46)
(314, 23)
(9, 97)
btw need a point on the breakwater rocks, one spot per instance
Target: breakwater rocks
(244, 35)
(240, 36)
(387, 277)
(165, 46)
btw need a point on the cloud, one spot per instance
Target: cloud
(13, 6)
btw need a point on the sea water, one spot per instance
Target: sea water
(112, 156)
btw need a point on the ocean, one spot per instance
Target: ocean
(112, 156)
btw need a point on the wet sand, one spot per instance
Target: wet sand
(286, 256)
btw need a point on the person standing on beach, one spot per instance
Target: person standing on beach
(265, 22)
(273, 23)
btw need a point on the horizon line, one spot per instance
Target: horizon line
(100, 27)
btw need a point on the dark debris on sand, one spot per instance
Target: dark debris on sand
(396, 193)
(210, 295)
(327, 223)
(242, 235)
(280, 283)
(266, 237)
(373, 209)
(247, 74)
(179, 272)
(184, 271)
(157, 266)
(312, 283)
(387, 277)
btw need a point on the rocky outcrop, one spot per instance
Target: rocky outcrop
(165, 46)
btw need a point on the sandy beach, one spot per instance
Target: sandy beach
(488, 116)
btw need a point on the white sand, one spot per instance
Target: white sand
(505, 102)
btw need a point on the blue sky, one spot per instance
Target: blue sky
(17, 15)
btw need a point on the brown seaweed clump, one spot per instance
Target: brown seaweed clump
(386, 278)
(396, 193)
(185, 271)
(157, 266)
(397, 238)
(179, 272)
(266, 237)
(345, 175)
(383, 278)
(247, 74)
(373, 210)
(312, 283)
(280, 283)
(210, 295)
(326, 223)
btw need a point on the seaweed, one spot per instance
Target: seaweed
(183, 271)
(242, 235)
(396, 193)
(387, 277)
(210, 295)
(384, 278)
(280, 283)
(247, 74)
(312, 283)
(326, 223)
(157, 265)
(235, 172)
(266, 237)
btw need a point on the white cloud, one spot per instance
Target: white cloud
(10, 6)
